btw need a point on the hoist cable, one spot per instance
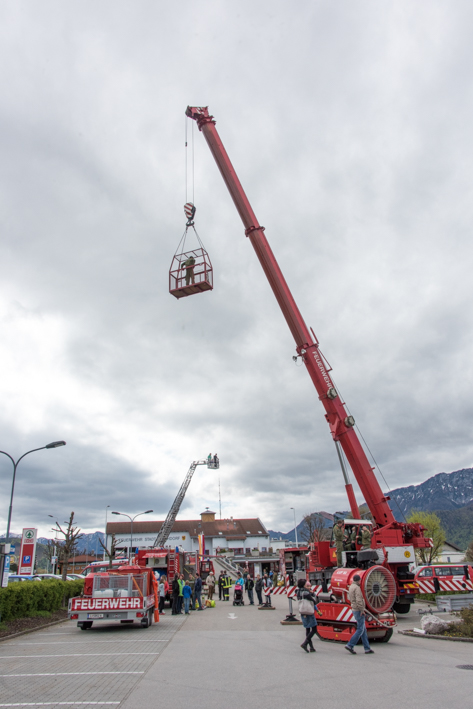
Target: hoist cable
(185, 157)
(193, 198)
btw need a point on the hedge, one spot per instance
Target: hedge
(21, 600)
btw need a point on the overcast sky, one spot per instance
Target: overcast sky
(350, 124)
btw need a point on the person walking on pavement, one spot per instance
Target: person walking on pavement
(210, 581)
(339, 536)
(259, 589)
(355, 596)
(307, 609)
(220, 585)
(249, 585)
(198, 591)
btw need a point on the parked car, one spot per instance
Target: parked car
(443, 577)
(56, 577)
(14, 578)
(81, 577)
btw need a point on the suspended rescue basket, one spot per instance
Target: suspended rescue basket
(191, 271)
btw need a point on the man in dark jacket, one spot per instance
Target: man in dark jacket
(249, 585)
(198, 591)
(259, 589)
(220, 585)
(176, 589)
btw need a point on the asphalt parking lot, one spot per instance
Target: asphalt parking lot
(228, 657)
(64, 665)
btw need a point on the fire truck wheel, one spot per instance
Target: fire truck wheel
(386, 638)
(402, 607)
(86, 625)
(145, 622)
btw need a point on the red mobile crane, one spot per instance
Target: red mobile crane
(393, 542)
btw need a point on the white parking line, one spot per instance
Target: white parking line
(78, 642)
(66, 674)
(78, 654)
(55, 704)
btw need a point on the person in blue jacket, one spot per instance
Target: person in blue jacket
(187, 594)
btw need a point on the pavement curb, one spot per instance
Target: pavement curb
(33, 630)
(411, 634)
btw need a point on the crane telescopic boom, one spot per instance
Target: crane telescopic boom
(340, 423)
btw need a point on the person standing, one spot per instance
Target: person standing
(198, 592)
(267, 586)
(307, 609)
(162, 596)
(189, 264)
(227, 582)
(187, 595)
(259, 589)
(365, 538)
(355, 596)
(210, 581)
(175, 595)
(249, 585)
(220, 585)
(339, 536)
(180, 599)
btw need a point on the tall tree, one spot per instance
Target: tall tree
(69, 543)
(434, 530)
(113, 548)
(469, 552)
(313, 529)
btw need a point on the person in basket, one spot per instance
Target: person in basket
(307, 609)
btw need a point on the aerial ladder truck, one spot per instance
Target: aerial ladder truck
(386, 581)
(172, 562)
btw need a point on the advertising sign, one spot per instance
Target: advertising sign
(27, 552)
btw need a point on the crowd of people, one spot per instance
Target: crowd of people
(186, 594)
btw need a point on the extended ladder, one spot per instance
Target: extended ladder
(168, 524)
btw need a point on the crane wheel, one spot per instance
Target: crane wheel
(402, 608)
(385, 639)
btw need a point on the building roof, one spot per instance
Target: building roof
(229, 528)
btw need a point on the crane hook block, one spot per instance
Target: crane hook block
(191, 270)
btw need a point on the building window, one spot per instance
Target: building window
(263, 549)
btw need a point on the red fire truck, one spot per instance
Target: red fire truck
(127, 594)
(386, 579)
(443, 577)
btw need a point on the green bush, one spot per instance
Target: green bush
(23, 600)
(463, 629)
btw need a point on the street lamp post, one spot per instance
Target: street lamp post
(132, 519)
(295, 526)
(55, 444)
(106, 511)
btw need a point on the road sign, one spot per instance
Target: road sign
(28, 551)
